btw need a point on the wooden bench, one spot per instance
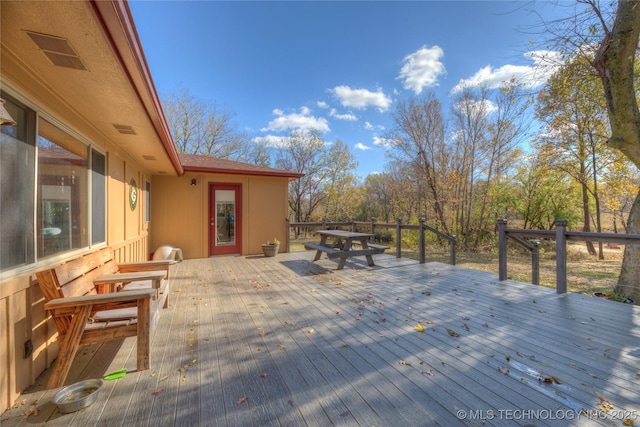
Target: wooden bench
(89, 304)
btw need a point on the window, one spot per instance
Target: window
(98, 193)
(62, 218)
(147, 201)
(17, 187)
(52, 189)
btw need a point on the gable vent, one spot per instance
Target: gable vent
(149, 157)
(58, 50)
(125, 129)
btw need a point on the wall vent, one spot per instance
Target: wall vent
(149, 157)
(58, 50)
(125, 129)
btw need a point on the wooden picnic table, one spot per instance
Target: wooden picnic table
(339, 244)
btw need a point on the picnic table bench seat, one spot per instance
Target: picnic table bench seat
(335, 252)
(91, 300)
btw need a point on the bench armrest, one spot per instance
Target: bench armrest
(130, 267)
(116, 297)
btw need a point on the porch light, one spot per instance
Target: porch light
(5, 117)
(193, 182)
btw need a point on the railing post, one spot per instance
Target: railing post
(398, 237)
(288, 235)
(353, 225)
(535, 262)
(452, 249)
(502, 249)
(561, 256)
(324, 222)
(421, 241)
(373, 230)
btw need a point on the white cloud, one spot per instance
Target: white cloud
(545, 63)
(361, 146)
(422, 68)
(361, 98)
(346, 117)
(303, 120)
(272, 141)
(382, 142)
(369, 126)
(322, 104)
(486, 105)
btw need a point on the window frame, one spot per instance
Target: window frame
(38, 112)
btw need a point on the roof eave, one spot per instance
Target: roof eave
(279, 174)
(117, 22)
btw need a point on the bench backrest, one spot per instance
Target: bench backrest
(75, 277)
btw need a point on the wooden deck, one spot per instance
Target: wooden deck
(286, 342)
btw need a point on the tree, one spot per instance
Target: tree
(208, 129)
(572, 108)
(304, 152)
(339, 200)
(418, 138)
(614, 62)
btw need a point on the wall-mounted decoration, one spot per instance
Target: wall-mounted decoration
(133, 194)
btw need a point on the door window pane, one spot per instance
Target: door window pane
(225, 217)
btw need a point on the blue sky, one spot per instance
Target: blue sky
(336, 66)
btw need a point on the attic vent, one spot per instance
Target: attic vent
(149, 157)
(125, 129)
(58, 50)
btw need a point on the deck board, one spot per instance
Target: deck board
(284, 341)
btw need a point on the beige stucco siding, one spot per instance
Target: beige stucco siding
(180, 211)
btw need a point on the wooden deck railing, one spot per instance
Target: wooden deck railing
(371, 227)
(561, 236)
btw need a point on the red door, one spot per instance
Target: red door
(225, 219)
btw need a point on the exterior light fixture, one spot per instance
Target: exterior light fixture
(5, 117)
(193, 182)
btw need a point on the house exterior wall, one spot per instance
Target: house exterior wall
(180, 211)
(22, 314)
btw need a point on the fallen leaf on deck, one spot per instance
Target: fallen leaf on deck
(264, 375)
(524, 381)
(605, 405)
(193, 362)
(153, 374)
(163, 378)
(419, 328)
(503, 369)
(485, 324)
(33, 412)
(345, 414)
(281, 347)
(241, 400)
(453, 333)
(157, 391)
(506, 356)
(429, 372)
(464, 325)
(627, 422)
(404, 363)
